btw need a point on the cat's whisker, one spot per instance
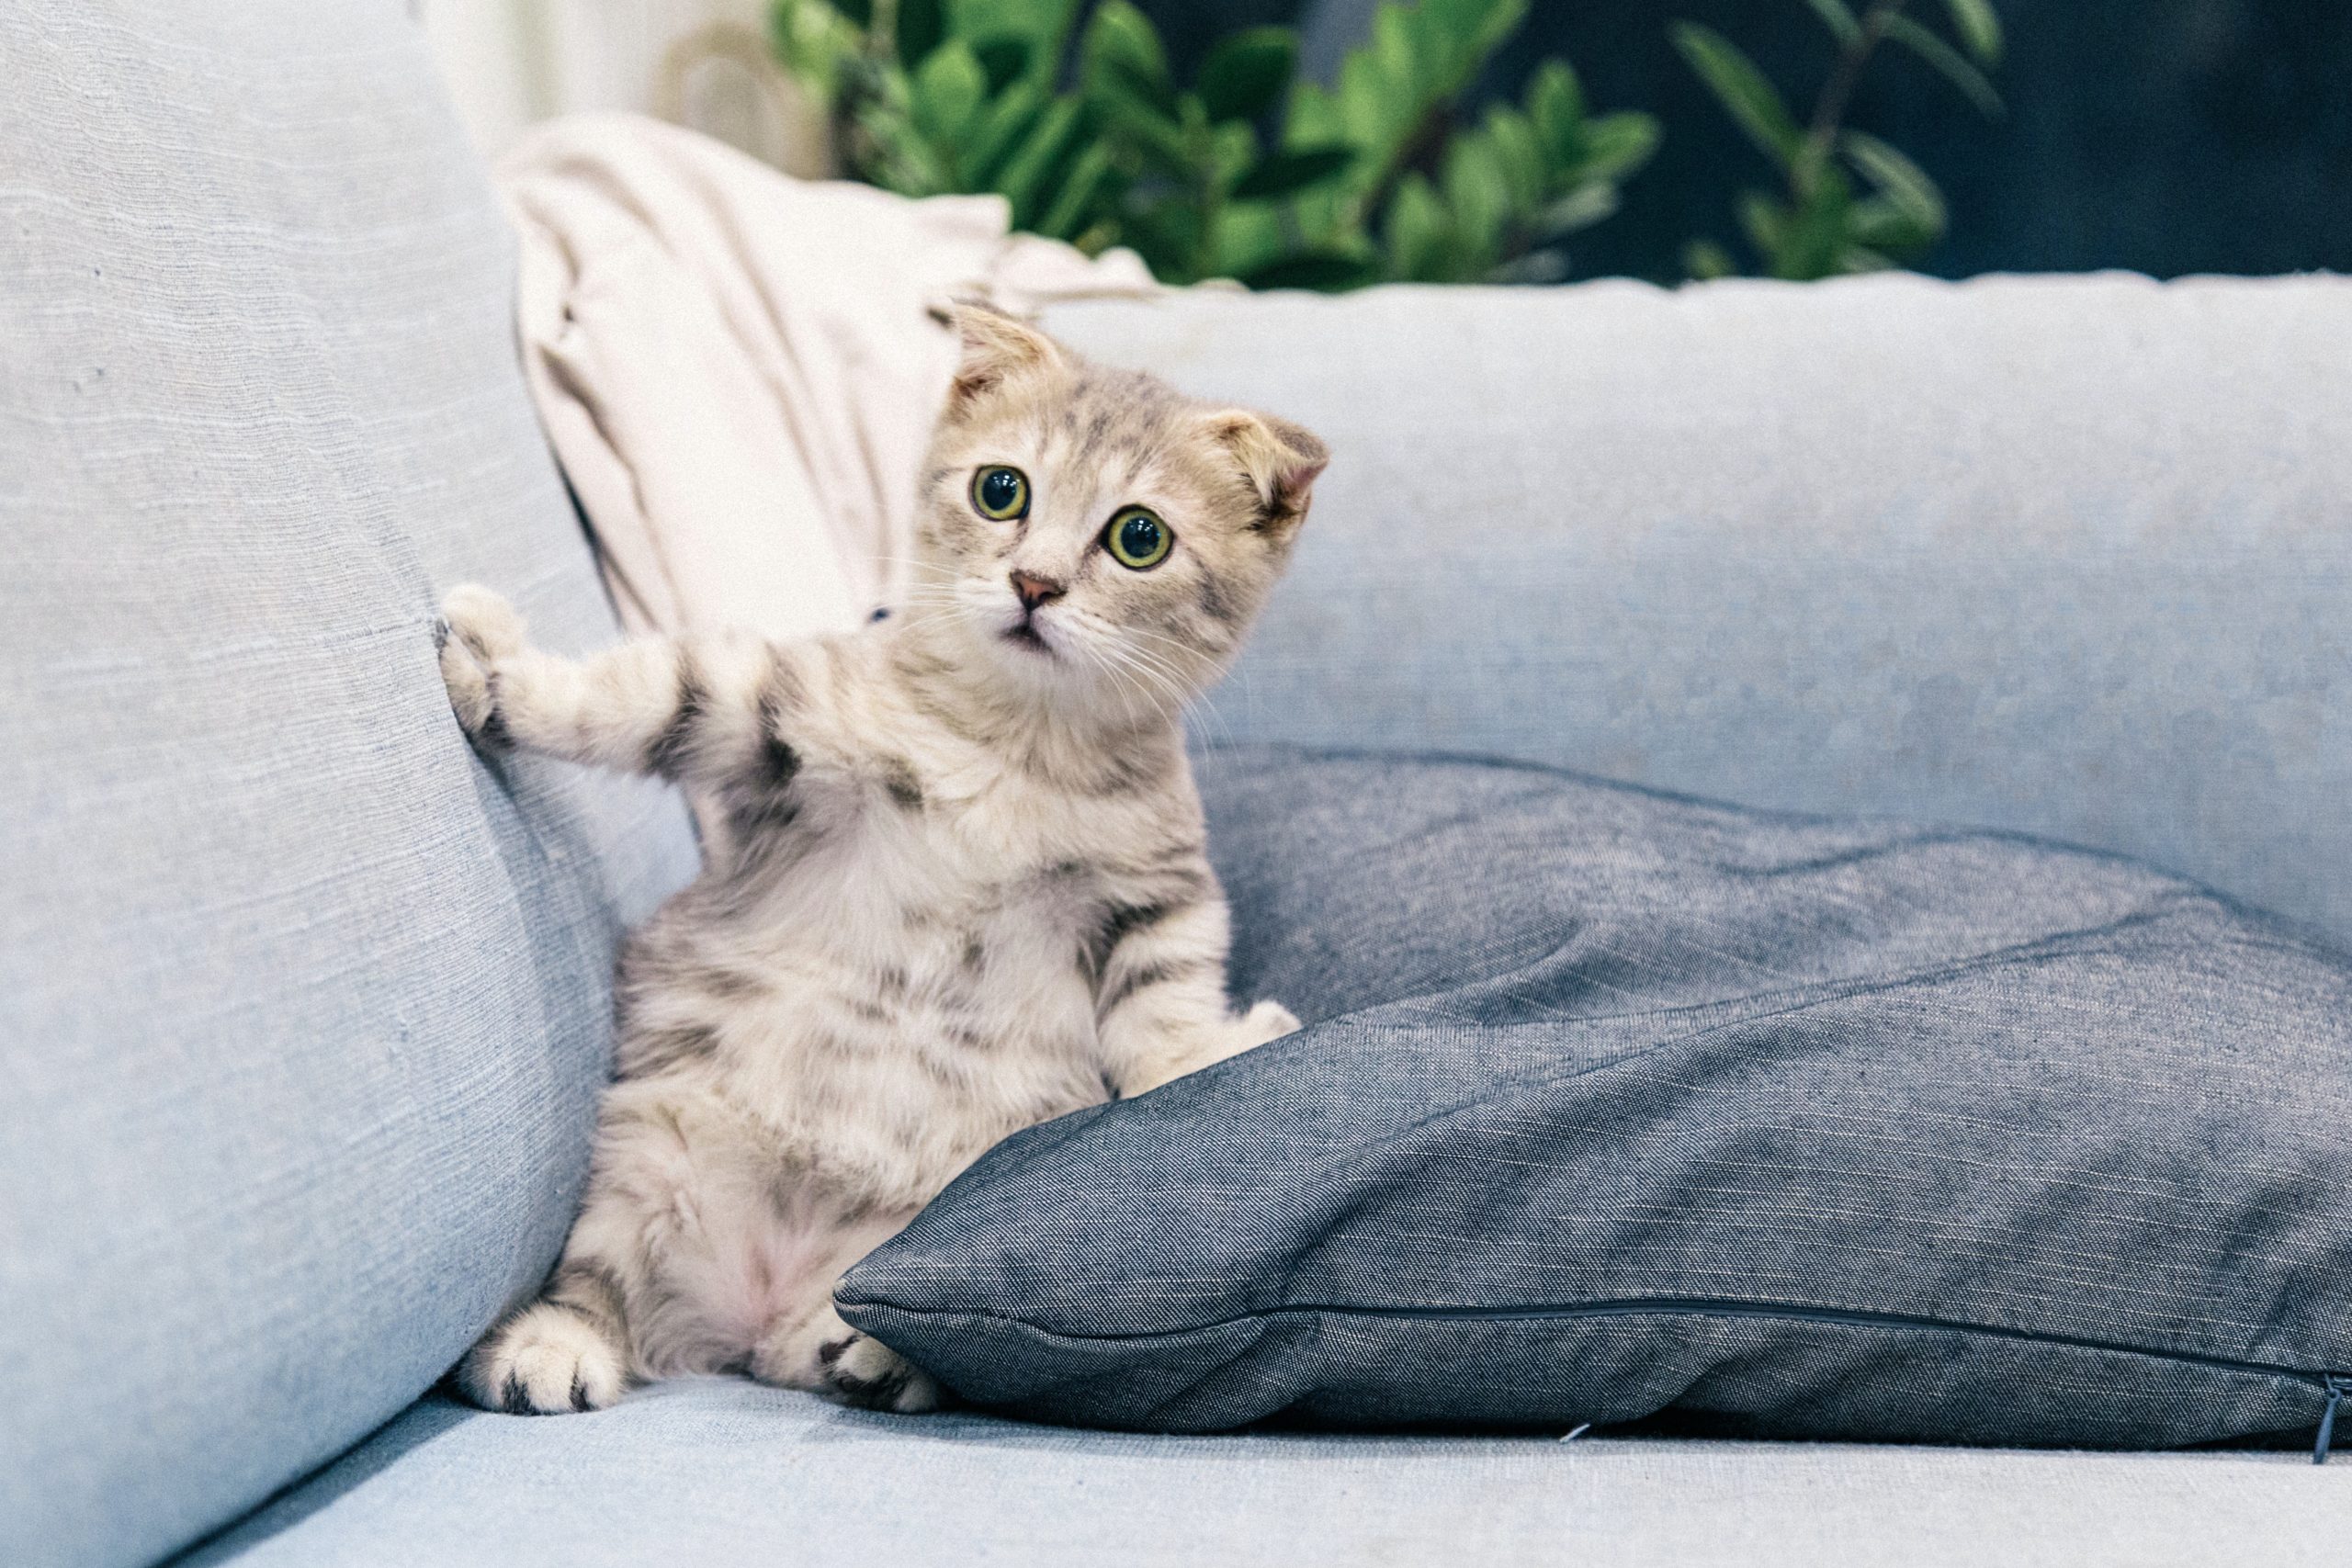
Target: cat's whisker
(1127, 680)
(1165, 672)
(1166, 696)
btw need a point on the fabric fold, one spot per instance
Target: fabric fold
(738, 370)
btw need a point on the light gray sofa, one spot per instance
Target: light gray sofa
(302, 1006)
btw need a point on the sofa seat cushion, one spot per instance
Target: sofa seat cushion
(717, 1473)
(1616, 1107)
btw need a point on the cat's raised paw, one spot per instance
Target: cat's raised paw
(477, 629)
(548, 1362)
(861, 1370)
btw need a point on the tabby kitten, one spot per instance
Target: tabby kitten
(955, 885)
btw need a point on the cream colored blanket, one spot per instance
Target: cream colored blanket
(738, 370)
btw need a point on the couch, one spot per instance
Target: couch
(304, 1003)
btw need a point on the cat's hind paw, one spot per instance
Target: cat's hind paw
(476, 629)
(546, 1360)
(861, 1370)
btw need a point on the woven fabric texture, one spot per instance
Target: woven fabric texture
(2067, 556)
(718, 1475)
(302, 1009)
(1615, 1106)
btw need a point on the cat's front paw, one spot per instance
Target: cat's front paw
(545, 1361)
(477, 629)
(859, 1369)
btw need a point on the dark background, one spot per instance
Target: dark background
(2164, 136)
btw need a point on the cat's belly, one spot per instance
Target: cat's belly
(807, 1058)
(819, 1119)
(907, 1051)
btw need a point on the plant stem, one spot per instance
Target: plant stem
(1829, 109)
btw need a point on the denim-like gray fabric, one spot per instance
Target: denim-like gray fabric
(726, 1475)
(302, 1009)
(1615, 1106)
(2067, 556)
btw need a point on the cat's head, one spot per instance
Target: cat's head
(1090, 536)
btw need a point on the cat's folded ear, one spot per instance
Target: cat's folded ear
(1281, 459)
(996, 348)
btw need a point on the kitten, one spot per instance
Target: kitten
(956, 884)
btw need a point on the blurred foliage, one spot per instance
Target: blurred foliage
(1245, 171)
(1850, 202)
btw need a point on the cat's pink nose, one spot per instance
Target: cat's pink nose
(1035, 591)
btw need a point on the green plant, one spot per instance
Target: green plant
(1427, 198)
(1096, 142)
(1822, 224)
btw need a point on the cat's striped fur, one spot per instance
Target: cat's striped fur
(954, 876)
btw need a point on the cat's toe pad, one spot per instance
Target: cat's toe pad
(481, 619)
(548, 1362)
(476, 629)
(859, 1370)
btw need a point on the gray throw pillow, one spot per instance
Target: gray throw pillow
(1616, 1107)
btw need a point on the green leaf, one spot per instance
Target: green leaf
(1040, 24)
(1314, 115)
(859, 12)
(1370, 112)
(1979, 27)
(1122, 46)
(1884, 227)
(1814, 234)
(1555, 104)
(817, 43)
(1580, 208)
(1291, 170)
(1741, 88)
(1247, 72)
(1232, 149)
(1330, 271)
(1617, 144)
(1074, 206)
(1024, 173)
(1479, 196)
(1420, 233)
(1839, 20)
(1766, 222)
(1900, 180)
(947, 93)
(918, 29)
(1008, 118)
(1704, 259)
(1518, 154)
(1946, 60)
(1475, 29)
(1399, 50)
(1534, 267)
(1156, 139)
(1247, 236)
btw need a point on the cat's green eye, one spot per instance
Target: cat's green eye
(1136, 539)
(1000, 492)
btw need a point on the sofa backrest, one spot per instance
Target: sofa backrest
(302, 1009)
(2070, 556)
